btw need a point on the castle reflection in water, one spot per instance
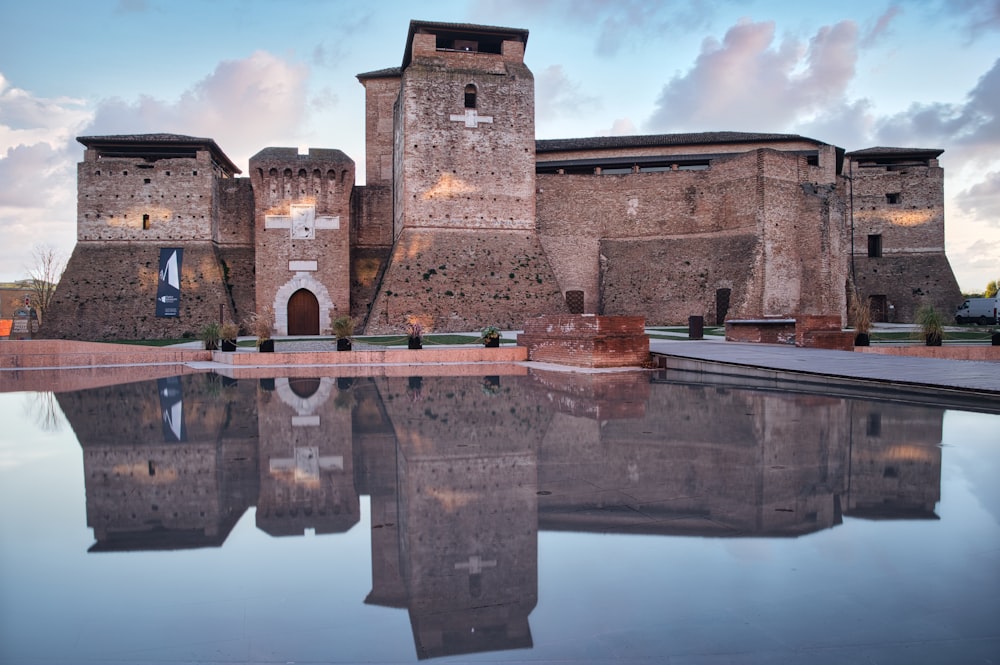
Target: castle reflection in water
(462, 472)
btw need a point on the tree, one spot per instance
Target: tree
(45, 271)
(991, 290)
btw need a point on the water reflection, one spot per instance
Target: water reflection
(462, 472)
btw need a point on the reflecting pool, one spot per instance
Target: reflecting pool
(541, 517)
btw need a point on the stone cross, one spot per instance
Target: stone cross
(471, 118)
(475, 565)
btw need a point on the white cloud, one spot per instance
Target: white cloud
(982, 202)
(556, 96)
(244, 105)
(749, 82)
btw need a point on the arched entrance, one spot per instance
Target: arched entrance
(303, 313)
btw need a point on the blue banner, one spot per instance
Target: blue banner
(168, 291)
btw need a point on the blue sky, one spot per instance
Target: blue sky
(258, 73)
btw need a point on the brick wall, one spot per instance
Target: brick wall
(311, 252)
(108, 291)
(905, 207)
(172, 198)
(586, 340)
(462, 280)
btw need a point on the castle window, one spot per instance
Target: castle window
(288, 173)
(331, 174)
(194, 173)
(98, 172)
(875, 246)
(273, 173)
(145, 222)
(574, 302)
(893, 198)
(470, 96)
(124, 172)
(146, 181)
(317, 173)
(302, 173)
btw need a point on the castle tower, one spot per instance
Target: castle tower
(465, 250)
(302, 206)
(140, 196)
(897, 216)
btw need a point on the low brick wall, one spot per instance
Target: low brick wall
(946, 351)
(586, 340)
(65, 353)
(761, 331)
(816, 332)
(503, 354)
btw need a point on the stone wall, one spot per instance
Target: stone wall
(132, 199)
(302, 231)
(108, 291)
(904, 207)
(462, 280)
(663, 244)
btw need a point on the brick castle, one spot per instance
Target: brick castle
(466, 219)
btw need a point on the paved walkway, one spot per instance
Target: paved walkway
(964, 375)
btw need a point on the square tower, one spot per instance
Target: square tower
(465, 129)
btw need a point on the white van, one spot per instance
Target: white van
(978, 310)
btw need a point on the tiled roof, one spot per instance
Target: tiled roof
(883, 151)
(388, 72)
(162, 139)
(653, 140)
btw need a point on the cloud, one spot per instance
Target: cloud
(975, 17)
(881, 29)
(37, 174)
(748, 81)
(623, 127)
(557, 96)
(243, 105)
(618, 24)
(981, 201)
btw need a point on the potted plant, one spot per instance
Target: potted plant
(210, 336)
(229, 331)
(931, 324)
(490, 336)
(415, 333)
(861, 312)
(343, 329)
(261, 326)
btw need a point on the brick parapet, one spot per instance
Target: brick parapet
(586, 340)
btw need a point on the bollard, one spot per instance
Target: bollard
(696, 327)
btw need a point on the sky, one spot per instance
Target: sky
(252, 74)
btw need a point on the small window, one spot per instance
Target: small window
(875, 246)
(470, 96)
(874, 427)
(574, 302)
(287, 173)
(893, 198)
(145, 222)
(146, 181)
(302, 173)
(194, 173)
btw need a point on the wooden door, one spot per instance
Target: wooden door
(303, 313)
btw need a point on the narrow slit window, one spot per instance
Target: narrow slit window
(145, 222)
(470, 96)
(875, 246)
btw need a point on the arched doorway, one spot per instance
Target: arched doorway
(303, 313)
